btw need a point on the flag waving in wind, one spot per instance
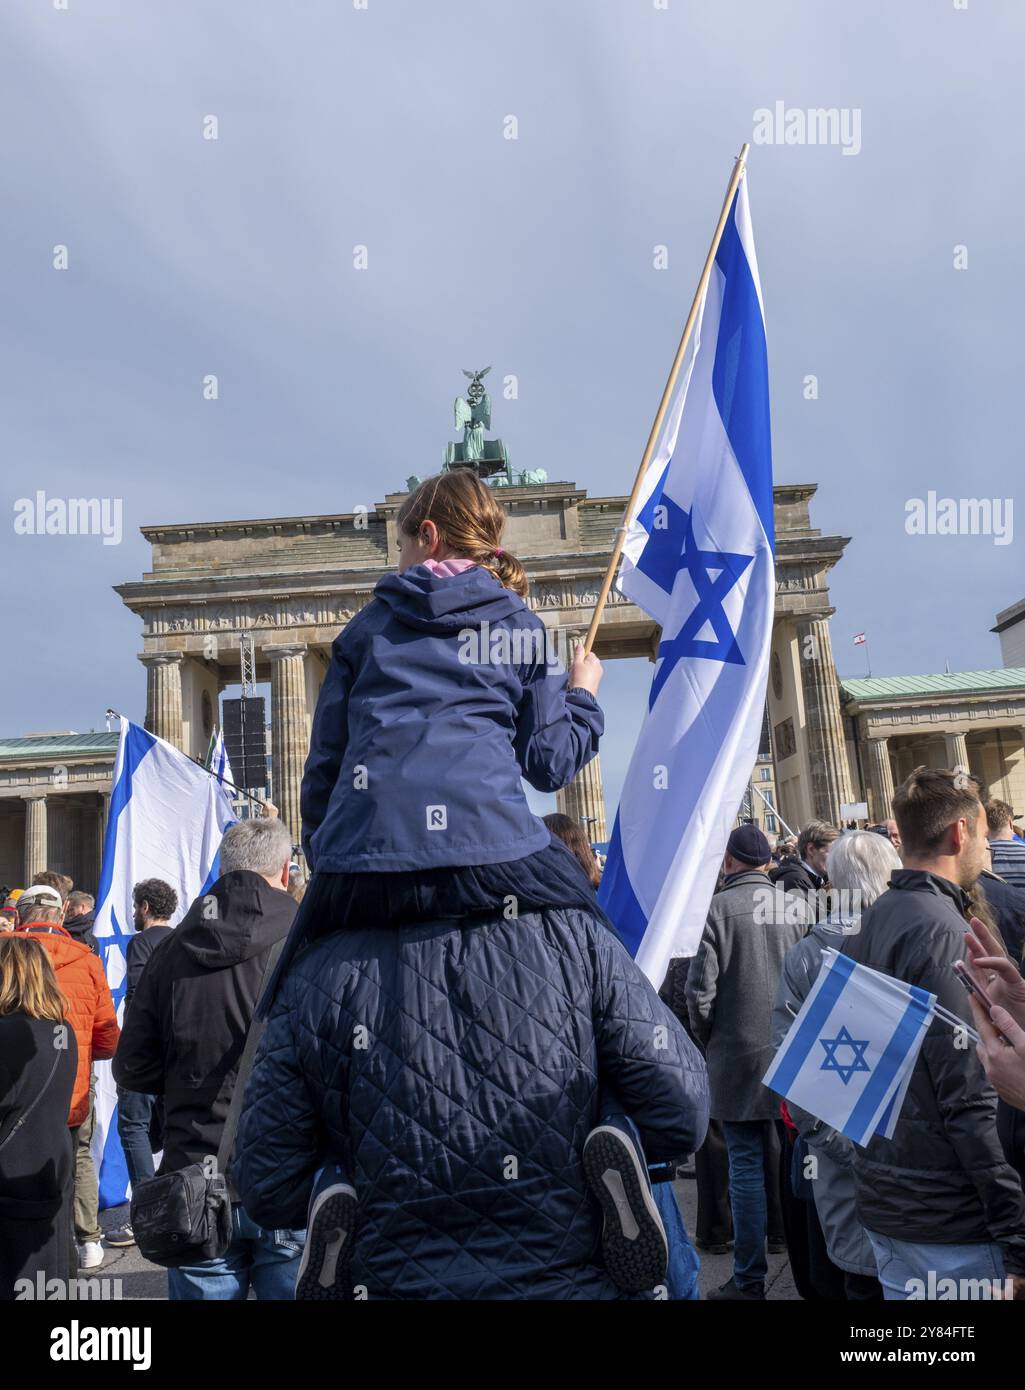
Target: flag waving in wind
(698, 558)
(217, 758)
(167, 818)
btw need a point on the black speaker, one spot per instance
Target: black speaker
(245, 740)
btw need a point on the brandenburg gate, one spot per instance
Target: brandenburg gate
(293, 583)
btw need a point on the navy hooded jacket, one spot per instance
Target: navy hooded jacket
(439, 696)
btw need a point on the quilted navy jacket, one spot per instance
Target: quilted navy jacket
(439, 695)
(454, 1071)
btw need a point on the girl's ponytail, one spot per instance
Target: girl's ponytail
(470, 521)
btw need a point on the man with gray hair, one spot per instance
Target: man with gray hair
(185, 1033)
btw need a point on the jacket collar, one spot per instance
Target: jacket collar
(920, 881)
(47, 928)
(745, 876)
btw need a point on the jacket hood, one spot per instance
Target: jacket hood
(78, 926)
(430, 603)
(240, 916)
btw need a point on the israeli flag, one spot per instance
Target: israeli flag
(167, 818)
(217, 759)
(849, 1054)
(699, 559)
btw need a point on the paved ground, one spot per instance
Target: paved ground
(141, 1280)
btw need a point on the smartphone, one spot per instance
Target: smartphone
(980, 990)
(973, 986)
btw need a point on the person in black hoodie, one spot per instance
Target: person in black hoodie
(185, 1032)
(79, 916)
(939, 1198)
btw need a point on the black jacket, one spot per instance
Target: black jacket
(81, 928)
(1008, 906)
(140, 948)
(184, 1034)
(943, 1178)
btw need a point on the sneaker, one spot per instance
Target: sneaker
(90, 1254)
(777, 1246)
(120, 1236)
(633, 1238)
(730, 1293)
(324, 1267)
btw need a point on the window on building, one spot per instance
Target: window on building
(770, 825)
(765, 774)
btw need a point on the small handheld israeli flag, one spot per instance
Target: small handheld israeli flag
(850, 1052)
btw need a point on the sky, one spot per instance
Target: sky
(385, 125)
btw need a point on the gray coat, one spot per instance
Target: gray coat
(731, 987)
(833, 1184)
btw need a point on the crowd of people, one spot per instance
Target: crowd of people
(433, 1070)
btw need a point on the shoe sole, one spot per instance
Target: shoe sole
(633, 1238)
(324, 1267)
(118, 1244)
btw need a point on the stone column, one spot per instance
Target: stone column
(957, 750)
(827, 749)
(102, 813)
(290, 730)
(584, 801)
(35, 836)
(164, 696)
(880, 776)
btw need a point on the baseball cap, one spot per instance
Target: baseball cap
(42, 894)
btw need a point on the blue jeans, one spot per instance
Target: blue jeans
(746, 1142)
(134, 1115)
(913, 1270)
(266, 1260)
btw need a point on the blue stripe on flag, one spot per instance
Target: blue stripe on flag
(617, 897)
(919, 1006)
(740, 380)
(799, 1044)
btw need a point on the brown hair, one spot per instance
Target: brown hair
(998, 814)
(50, 878)
(927, 804)
(818, 833)
(469, 519)
(28, 984)
(572, 835)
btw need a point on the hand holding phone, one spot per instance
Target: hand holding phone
(976, 987)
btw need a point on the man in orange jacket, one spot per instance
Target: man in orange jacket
(91, 1015)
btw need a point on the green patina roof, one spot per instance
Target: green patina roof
(46, 745)
(956, 682)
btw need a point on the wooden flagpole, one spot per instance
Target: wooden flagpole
(663, 405)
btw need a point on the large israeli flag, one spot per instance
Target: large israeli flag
(699, 559)
(848, 1056)
(167, 817)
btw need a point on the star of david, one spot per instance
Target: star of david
(832, 1063)
(119, 938)
(713, 574)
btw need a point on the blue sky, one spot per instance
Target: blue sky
(384, 127)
